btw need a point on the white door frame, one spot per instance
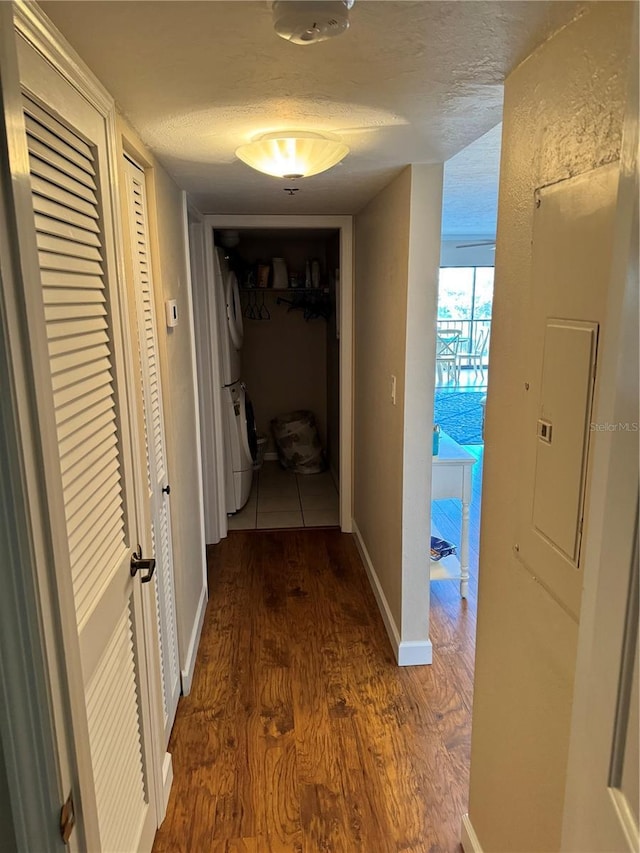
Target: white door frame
(198, 448)
(198, 278)
(344, 224)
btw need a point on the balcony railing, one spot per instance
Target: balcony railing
(470, 335)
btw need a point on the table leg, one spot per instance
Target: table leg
(464, 551)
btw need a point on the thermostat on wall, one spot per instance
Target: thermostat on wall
(171, 307)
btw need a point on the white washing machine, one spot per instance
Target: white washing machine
(230, 317)
(239, 426)
(242, 444)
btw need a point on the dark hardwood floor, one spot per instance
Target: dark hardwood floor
(300, 732)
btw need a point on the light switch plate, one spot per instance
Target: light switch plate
(171, 308)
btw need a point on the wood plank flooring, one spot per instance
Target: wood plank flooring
(301, 733)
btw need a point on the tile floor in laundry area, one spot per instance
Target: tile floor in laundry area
(282, 499)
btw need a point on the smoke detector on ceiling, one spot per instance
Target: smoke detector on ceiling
(310, 21)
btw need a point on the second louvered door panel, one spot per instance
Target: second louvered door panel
(84, 381)
(159, 500)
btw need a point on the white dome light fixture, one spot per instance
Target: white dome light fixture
(293, 153)
(310, 21)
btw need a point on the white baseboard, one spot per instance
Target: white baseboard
(415, 653)
(469, 839)
(408, 653)
(187, 673)
(383, 604)
(167, 781)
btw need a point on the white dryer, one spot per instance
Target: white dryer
(230, 318)
(242, 444)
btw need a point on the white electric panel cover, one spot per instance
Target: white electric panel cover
(572, 247)
(563, 434)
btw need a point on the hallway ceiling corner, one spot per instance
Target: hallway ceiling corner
(409, 82)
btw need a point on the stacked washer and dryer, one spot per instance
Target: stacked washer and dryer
(240, 440)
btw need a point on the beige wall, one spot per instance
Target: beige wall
(284, 364)
(284, 359)
(381, 272)
(562, 117)
(165, 203)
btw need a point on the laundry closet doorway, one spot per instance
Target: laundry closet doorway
(296, 351)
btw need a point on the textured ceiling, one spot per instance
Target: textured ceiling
(470, 197)
(410, 82)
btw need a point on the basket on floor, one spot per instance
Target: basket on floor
(298, 443)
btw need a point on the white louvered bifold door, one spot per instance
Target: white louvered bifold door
(67, 143)
(155, 442)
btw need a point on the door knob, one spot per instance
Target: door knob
(138, 563)
(167, 489)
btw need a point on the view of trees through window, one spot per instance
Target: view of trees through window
(465, 293)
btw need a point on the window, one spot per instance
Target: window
(465, 296)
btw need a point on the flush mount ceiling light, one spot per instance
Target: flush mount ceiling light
(310, 21)
(293, 154)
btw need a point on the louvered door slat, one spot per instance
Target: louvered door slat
(114, 686)
(61, 178)
(66, 246)
(70, 296)
(46, 154)
(49, 225)
(63, 137)
(73, 415)
(98, 430)
(54, 140)
(63, 329)
(155, 447)
(98, 465)
(100, 442)
(76, 394)
(75, 343)
(69, 280)
(101, 413)
(80, 373)
(54, 210)
(65, 362)
(55, 312)
(69, 263)
(103, 550)
(106, 552)
(93, 520)
(65, 296)
(66, 198)
(89, 507)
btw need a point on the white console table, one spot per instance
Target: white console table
(451, 478)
